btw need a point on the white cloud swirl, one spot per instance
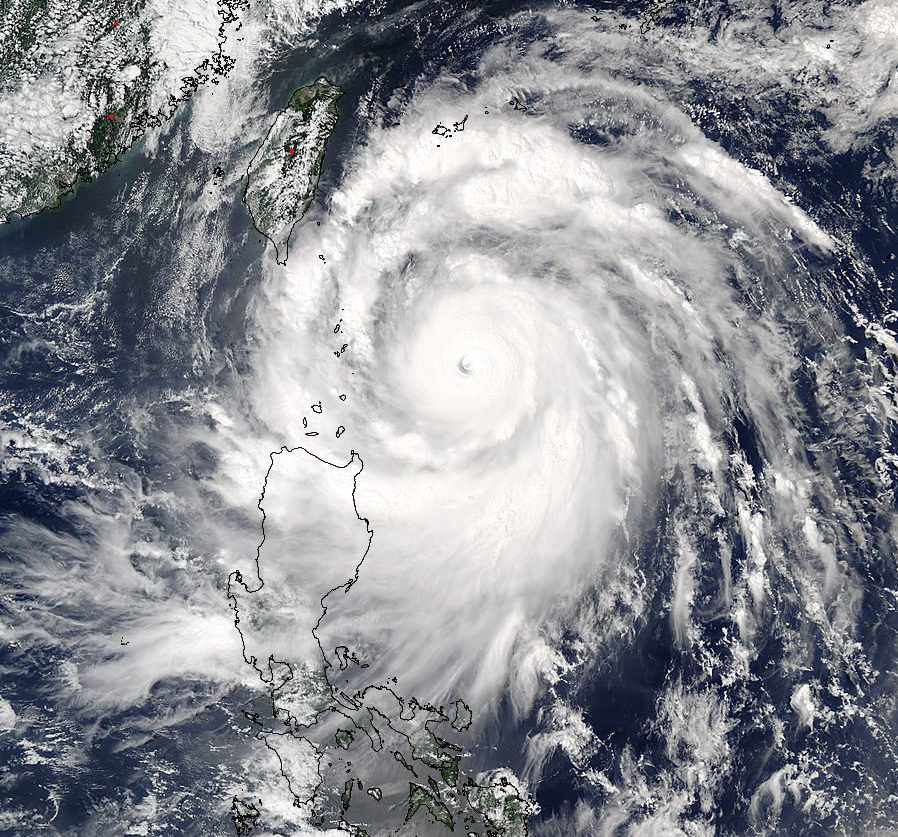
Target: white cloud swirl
(544, 337)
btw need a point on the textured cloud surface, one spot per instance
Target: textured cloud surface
(612, 378)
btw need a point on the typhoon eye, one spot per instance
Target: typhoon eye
(503, 437)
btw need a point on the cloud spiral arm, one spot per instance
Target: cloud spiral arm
(628, 433)
(571, 336)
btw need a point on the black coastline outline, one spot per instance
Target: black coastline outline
(211, 69)
(459, 720)
(282, 260)
(237, 577)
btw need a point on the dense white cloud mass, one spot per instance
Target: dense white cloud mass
(548, 349)
(535, 345)
(592, 382)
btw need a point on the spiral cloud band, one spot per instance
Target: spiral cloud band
(536, 346)
(567, 432)
(568, 335)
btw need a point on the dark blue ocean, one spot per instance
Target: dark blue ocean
(121, 305)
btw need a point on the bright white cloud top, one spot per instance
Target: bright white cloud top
(560, 408)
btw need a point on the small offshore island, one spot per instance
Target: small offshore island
(283, 173)
(81, 82)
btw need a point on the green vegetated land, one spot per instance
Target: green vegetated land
(284, 172)
(84, 84)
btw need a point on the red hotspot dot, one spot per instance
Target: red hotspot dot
(112, 116)
(116, 22)
(291, 150)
